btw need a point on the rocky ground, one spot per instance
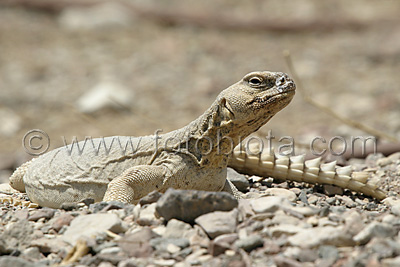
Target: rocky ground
(286, 224)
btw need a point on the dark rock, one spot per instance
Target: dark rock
(98, 206)
(3, 248)
(239, 180)
(187, 205)
(150, 198)
(249, 243)
(17, 262)
(138, 244)
(88, 201)
(184, 253)
(324, 211)
(371, 206)
(303, 197)
(68, 206)
(110, 205)
(286, 262)
(217, 248)
(15, 253)
(46, 213)
(332, 190)
(114, 205)
(47, 245)
(62, 220)
(328, 253)
(19, 236)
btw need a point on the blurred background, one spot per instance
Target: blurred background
(102, 68)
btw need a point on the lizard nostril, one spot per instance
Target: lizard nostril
(280, 81)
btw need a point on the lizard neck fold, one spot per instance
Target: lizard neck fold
(212, 137)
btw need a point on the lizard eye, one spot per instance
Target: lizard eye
(255, 81)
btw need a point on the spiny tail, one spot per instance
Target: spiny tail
(295, 168)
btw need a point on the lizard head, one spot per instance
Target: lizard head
(256, 98)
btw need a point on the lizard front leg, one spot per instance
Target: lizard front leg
(136, 182)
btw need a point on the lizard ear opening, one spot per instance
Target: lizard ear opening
(226, 109)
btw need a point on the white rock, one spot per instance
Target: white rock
(353, 221)
(245, 209)
(162, 262)
(284, 229)
(391, 262)
(148, 212)
(269, 204)
(160, 230)
(313, 221)
(326, 222)
(374, 229)
(305, 211)
(281, 192)
(312, 199)
(193, 257)
(391, 201)
(172, 248)
(282, 218)
(91, 225)
(106, 94)
(396, 209)
(110, 250)
(390, 219)
(292, 252)
(104, 15)
(200, 237)
(316, 236)
(10, 122)
(178, 229)
(226, 238)
(218, 222)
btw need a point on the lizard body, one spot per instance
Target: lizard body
(193, 157)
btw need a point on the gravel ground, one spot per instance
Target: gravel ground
(101, 71)
(286, 224)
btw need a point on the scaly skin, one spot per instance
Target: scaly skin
(266, 164)
(193, 157)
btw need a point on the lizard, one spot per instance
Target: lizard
(193, 157)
